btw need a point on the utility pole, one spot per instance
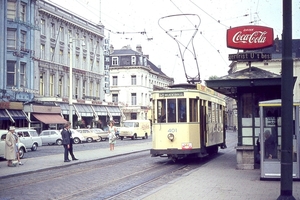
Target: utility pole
(286, 181)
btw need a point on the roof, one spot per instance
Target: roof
(250, 77)
(127, 51)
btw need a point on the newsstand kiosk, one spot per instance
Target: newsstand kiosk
(270, 139)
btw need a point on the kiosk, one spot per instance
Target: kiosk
(270, 139)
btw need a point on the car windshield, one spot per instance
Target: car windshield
(131, 124)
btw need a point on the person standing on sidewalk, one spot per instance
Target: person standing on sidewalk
(112, 135)
(10, 147)
(17, 147)
(67, 142)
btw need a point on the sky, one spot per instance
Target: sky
(148, 23)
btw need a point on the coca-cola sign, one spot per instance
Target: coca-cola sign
(249, 37)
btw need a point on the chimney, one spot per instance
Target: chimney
(139, 49)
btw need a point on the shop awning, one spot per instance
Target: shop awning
(114, 110)
(17, 114)
(100, 110)
(84, 110)
(65, 107)
(50, 118)
(4, 115)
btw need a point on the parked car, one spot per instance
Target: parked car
(50, 137)
(88, 135)
(103, 135)
(135, 129)
(22, 148)
(77, 136)
(29, 138)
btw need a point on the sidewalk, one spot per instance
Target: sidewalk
(56, 161)
(217, 179)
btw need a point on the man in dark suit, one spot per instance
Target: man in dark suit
(67, 142)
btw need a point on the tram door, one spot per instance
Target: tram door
(270, 139)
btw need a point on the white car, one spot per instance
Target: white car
(22, 148)
(29, 138)
(77, 136)
(50, 137)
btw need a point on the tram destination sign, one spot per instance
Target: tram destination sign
(250, 56)
(171, 94)
(250, 37)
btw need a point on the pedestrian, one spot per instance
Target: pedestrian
(67, 142)
(10, 147)
(112, 135)
(17, 147)
(270, 145)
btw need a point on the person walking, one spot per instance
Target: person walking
(10, 147)
(112, 135)
(67, 142)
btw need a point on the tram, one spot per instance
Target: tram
(187, 121)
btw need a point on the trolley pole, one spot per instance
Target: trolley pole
(286, 181)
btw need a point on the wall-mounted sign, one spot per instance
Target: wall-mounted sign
(250, 56)
(249, 37)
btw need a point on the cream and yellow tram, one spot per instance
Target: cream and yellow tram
(187, 121)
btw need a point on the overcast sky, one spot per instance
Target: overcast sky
(126, 20)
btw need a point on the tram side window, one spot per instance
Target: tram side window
(171, 106)
(193, 110)
(182, 110)
(209, 113)
(161, 110)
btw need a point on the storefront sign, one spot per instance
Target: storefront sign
(249, 37)
(250, 56)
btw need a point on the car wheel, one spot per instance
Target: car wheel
(76, 141)
(21, 152)
(59, 142)
(100, 138)
(34, 147)
(89, 140)
(146, 136)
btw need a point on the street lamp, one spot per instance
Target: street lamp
(71, 78)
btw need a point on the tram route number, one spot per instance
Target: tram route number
(172, 130)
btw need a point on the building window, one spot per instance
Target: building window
(133, 79)
(42, 85)
(77, 41)
(91, 89)
(52, 30)
(42, 52)
(91, 64)
(114, 60)
(23, 12)
(51, 85)
(133, 99)
(83, 88)
(11, 9)
(133, 116)
(52, 54)
(97, 90)
(61, 56)
(43, 27)
(11, 39)
(133, 60)
(11, 73)
(61, 34)
(91, 45)
(22, 75)
(115, 80)
(23, 40)
(60, 86)
(115, 98)
(76, 88)
(77, 61)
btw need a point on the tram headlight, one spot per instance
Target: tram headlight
(171, 137)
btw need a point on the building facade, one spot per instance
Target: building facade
(132, 79)
(42, 43)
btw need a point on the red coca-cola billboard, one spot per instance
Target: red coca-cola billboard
(249, 37)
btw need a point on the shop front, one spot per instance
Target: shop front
(44, 117)
(11, 113)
